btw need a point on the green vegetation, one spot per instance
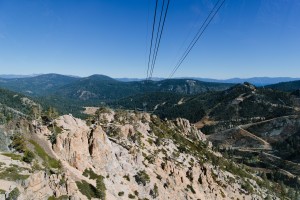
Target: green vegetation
(12, 100)
(274, 180)
(90, 191)
(13, 156)
(63, 197)
(90, 174)
(12, 174)
(14, 194)
(247, 186)
(28, 156)
(289, 148)
(286, 86)
(18, 143)
(126, 177)
(131, 196)
(142, 177)
(120, 194)
(100, 186)
(159, 177)
(48, 161)
(154, 192)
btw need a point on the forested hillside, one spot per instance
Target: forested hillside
(286, 86)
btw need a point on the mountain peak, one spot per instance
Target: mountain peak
(100, 77)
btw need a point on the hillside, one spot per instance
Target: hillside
(100, 87)
(286, 86)
(115, 148)
(38, 85)
(231, 107)
(103, 88)
(125, 155)
(14, 104)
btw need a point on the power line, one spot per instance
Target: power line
(205, 24)
(157, 36)
(161, 31)
(153, 27)
(197, 21)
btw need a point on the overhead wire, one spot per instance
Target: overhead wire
(157, 36)
(160, 35)
(153, 28)
(200, 32)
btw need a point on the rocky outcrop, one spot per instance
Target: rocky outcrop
(189, 130)
(84, 147)
(128, 154)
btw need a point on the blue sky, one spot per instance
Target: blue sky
(112, 37)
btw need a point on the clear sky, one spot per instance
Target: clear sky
(112, 37)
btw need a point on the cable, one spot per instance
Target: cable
(160, 38)
(197, 20)
(197, 36)
(153, 26)
(157, 36)
(209, 18)
(194, 39)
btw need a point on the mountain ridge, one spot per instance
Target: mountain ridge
(258, 81)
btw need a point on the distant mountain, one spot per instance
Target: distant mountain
(257, 81)
(10, 76)
(37, 85)
(286, 86)
(138, 79)
(104, 88)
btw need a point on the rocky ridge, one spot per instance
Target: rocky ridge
(120, 155)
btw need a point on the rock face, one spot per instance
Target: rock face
(84, 147)
(188, 130)
(136, 155)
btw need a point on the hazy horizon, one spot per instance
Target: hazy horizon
(176, 77)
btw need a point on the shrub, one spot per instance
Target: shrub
(154, 192)
(63, 197)
(159, 177)
(87, 189)
(18, 143)
(100, 186)
(126, 177)
(28, 156)
(14, 194)
(120, 194)
(142, 177)
(90, 174)
(131, 196)
(246, 186)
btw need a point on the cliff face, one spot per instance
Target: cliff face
(121, 155)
